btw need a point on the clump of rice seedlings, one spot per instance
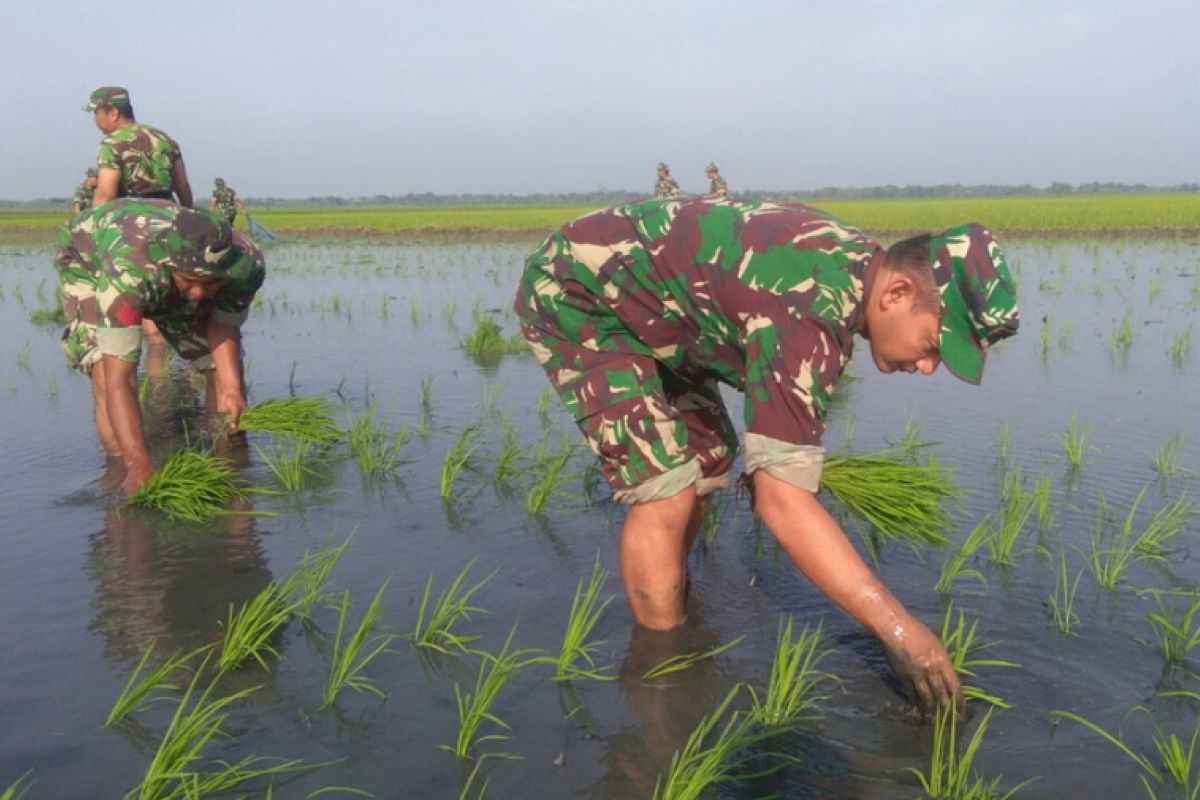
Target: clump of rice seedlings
(1181, 346)
(509, 455)
(575, 659)
(376, 449)
(1003, 441)
(459, 457)
(1167, 460)
(17, 789)
(959, 640)
(954, 565)
(307, 418)
(291, 462)
(23, 356)
(1155, 288)
(899, 500)
(352, 653)
(250, 629)
(552, 471)
(952, 774)
(48, 316)
(191, 485)
(1121, 339)
(1165, 524)
(1113, 548)
(1043, 503)
(679, 663)
(475, 707)
(1074, 441)
(1176, 630)
(306, 586)
(711, 757)
(426, 400)
(140, 691)
(1062, 602)
(1011, 520)
(795, 678)
(436, 620)
(545, 398)
(487, 343)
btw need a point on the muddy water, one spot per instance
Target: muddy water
(84, 587)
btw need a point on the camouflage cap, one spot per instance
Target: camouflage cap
(107, 96)
(201, 244)
(979, 298)
(663, 166)
(219, 181)
(92, 172)
(711, 167)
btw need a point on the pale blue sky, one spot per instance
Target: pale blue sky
(386, 97)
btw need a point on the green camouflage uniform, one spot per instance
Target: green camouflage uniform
(145, 158)
(666, 187)
(226, 200)
(717, 187)
(115, 263)
(637, 312)
(84, 193)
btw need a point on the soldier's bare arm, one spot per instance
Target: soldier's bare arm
(225, 342)
(183, 189)
(125, 416)
(823, 552)
(106, 186)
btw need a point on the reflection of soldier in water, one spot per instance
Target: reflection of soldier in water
(155, 583)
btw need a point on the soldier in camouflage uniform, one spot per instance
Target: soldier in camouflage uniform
(225, 201)
(134, 160)
(84, 192)
(716, 184)
(130, 260)
(637, 312)
(665, 186)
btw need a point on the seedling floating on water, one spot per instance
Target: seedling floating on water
(795, 678)
(306, 418)
(684, 661)
(436, 620)
(191, 485)
(352, 653)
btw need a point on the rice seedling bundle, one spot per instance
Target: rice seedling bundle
(952, 775)
(900, 500)
(191, 485)
(486, 341)
(306, 418)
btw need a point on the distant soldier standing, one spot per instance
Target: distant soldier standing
(134, 160)
(665, 186)
(84, 192)
(225, 201)
(716, 186)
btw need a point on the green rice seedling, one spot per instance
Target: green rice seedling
(546, 484)
(191, 485)
(352, 653)
(459, 457)
(1181, 346)
(436, 620)
(1065, 332)
(1010, 521)
(1046, 339)
(710, 524)
(491, 396)
(576, 656)
(426, 399)
(959, 640)
(306, 418)
(1062, 602)
(1155, 288)
(711, 757)
(376, 449)
(52, 390)
(954, 565)
(679, 663)
(475, 708)
(470, 791)
(17, 789)
(384, 301)
(1074, 441)
(414, 311)
(1043, 503)
(1178, 762)
(250, 629)
(306, 586)
(1003, 441)
(1176, 630)
(23, 356)
(795, 678)
(291, 462)
(449, 311)
(545, 398)
(1164, 525)
(140, 691)
(510, 453)
(48, 316)
(1113, 548)
(952, 774)
(1167, 460)
(1121, 339)
(487, 344)
(900, 501)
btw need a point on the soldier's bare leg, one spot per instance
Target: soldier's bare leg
(655, 542)
(104, 428)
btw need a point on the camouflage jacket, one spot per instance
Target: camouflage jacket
(144, 157)
(763, 297)
(84, 193)
(115, 251)
(717, 187)
(226, 200)
(666, 187)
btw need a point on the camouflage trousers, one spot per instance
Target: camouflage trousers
(656, 432)
(185, 332)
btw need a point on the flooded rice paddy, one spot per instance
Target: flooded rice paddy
(85, 587)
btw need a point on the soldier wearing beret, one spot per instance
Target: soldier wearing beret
(665, 186)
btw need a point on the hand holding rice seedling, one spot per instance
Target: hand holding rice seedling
(309, 419)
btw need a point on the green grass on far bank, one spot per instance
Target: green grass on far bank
(1085, 214)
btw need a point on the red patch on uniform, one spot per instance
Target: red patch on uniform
(129, 317)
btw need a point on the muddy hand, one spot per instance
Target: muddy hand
(922, 664)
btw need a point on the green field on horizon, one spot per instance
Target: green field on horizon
(1108, 214)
